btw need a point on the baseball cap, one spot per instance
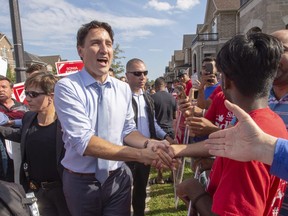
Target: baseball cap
(181, 73)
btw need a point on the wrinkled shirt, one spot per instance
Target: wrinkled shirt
(76, 105)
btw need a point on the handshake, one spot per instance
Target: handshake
(159, 154)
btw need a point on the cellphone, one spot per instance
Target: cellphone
(209, 68)
(196, 94)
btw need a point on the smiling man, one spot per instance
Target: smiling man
(95, 111)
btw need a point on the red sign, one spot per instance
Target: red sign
(18, 90)
(68, 67)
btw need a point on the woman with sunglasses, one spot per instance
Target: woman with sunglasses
(41, 145)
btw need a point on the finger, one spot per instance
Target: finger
(218, 134)
(165, 158)
(194, 119)
(154, 163)
(158, 164)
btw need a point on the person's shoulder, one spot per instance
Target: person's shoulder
(72, 81)
(270, 122)
(118, 83)
(120, 86)
(29, 114)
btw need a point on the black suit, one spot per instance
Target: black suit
(139, 170)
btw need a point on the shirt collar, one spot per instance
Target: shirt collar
(89, 80)
(140, 93)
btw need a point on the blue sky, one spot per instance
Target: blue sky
(146, 29)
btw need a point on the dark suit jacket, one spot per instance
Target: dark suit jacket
(19, 135)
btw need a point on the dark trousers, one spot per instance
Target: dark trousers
(85, 196)
(140, 179)
(6, 164)
(52, 202)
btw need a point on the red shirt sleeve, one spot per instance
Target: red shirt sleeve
(215, 92)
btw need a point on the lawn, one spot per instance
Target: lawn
(162, 202)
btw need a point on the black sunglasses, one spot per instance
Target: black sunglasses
(33, 94)
(139, 73)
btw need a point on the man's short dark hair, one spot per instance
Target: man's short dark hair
(160, 81)
(7, 79)
(84, 29)
(209, 59)
(251, 62)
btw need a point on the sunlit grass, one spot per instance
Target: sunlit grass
(162, 202)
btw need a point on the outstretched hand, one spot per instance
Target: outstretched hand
(243, 142)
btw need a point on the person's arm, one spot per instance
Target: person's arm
(201, 102)
(192, 189)
(13, 134)
(279, 165)
(193, 150)
(98, 147)
(79, 134)
(243, 142)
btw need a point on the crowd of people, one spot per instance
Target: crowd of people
(88, 140)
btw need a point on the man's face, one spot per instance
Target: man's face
(97, 53)
(183, 78)
(169, 85)
(135, 81)
(282, 72)
(5, 90)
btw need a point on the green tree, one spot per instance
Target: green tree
(10, 75)
(117, 65)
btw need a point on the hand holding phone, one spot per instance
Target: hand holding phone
(180, 92)
(209, 68)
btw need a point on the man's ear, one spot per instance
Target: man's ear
(80, 52)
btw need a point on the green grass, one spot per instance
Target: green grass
(162, 202)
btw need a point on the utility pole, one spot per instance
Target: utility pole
(18, 41)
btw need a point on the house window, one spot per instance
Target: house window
(4, 52)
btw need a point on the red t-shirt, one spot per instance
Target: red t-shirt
(218, 113)
(215, 92)
(247, 188)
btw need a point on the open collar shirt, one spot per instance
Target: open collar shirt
(279, 106)
(76, 101)
(142, 118)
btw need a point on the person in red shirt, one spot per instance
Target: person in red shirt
(184, 78)
(243, 188)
